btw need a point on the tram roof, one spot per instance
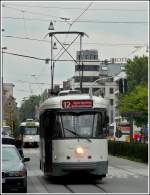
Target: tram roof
(33, 123)
(56, 102)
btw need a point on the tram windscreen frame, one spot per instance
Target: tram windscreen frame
(79, 125)
(27, 130)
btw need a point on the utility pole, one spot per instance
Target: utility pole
(131, 128)
(2, 82)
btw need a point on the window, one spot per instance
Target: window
(87, 67)
(111, 90)
(86, 79)
(111, 102)
(82, 125)
(30, 131)
(104, 68)
(112, 116)
(102, 92)
(10, 154)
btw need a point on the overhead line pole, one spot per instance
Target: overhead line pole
(51, 34)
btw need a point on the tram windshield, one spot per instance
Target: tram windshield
(30, 131)
(80, 125)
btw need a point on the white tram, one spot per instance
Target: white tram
(30, 132)
(73, 135)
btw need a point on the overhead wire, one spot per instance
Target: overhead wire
(90, 43)
(79, 21)
(87, 21)
(44, 59)
(70, 25)
(33, 13)
(85, 10)
(77, 8)
(25, 56)
(136, 49)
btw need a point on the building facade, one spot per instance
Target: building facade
(87, 69)
(9, 105)
(98, 75)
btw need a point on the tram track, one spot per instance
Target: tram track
(100, 188)
(69, 188)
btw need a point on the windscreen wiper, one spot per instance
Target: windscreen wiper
(73, 132)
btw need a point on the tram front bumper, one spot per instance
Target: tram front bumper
(96, 168)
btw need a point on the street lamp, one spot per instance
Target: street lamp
(52, 68)
(51, 27)
(3, 48)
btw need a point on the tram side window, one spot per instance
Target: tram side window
(57, 129)
(98, 125)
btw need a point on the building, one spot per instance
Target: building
(9, 104)
(97, 75)
(121, 75)
(87, 69)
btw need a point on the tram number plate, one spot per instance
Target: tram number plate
(77, 104)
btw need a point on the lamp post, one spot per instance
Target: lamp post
(3, 48)
(53, 46)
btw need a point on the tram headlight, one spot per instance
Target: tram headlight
(80, 151)
(30, 138)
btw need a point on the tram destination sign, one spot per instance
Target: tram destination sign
(77, 103)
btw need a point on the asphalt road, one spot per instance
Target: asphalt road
(123, 176)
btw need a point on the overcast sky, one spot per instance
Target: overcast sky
(115, 29)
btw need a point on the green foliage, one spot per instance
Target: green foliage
(136, 99)
(28, 108)
(137, 71)
(135, 151)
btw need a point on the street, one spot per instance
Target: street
(123, 176)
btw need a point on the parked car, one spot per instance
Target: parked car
(6, 139)
(14, 172)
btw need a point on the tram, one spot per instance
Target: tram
(73, 135)
(30, 132)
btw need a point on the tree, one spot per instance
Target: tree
(136, 99)
(137, 71)
(136, 102)
(27, 109)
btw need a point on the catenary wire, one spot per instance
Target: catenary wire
(89, 43)
(45, 59)
(78, 8)
(79, 21)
